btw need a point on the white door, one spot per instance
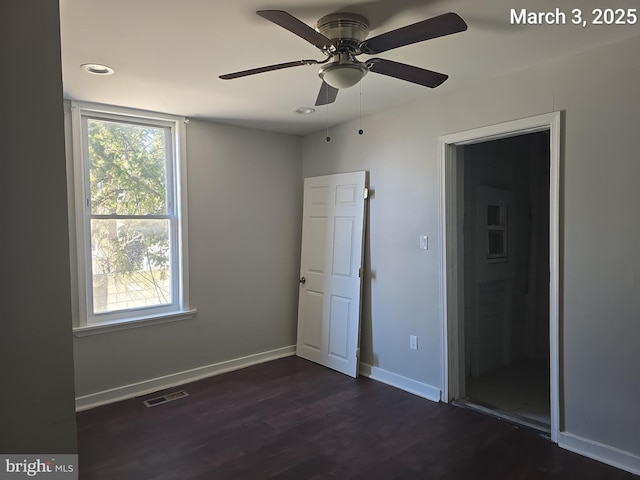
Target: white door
(495, 271)
(331, 271)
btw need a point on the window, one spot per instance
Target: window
(496, 233)
(130, 217)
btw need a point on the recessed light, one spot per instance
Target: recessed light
(304, 110)
(97, 69)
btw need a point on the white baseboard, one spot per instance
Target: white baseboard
(598, 451)
(124, 392)
(403, 383)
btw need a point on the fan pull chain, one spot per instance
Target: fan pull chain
(360, 131)
(327, 138)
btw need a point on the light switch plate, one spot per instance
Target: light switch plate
(424, 242)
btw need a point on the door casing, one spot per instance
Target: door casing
(452, 266)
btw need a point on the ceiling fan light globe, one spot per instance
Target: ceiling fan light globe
(343, 76)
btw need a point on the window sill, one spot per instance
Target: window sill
(97, 328)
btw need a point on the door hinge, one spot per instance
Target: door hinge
(361, 272)
(365, 193)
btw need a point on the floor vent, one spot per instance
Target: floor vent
(169, 397)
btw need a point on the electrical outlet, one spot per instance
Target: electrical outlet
(413, 342)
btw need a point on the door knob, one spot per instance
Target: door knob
(303, 280)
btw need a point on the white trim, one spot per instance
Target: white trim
(180, 177)
(443, 149)
(554, 270)
(79, 224)
(508, 129)
(124, 392)
(114, 326)
(600, 452)
(447, 143)
(420, 389)
(104, 109)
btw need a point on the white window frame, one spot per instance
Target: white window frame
(501, 227)
(88, 323)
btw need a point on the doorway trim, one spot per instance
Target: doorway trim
(452, 261)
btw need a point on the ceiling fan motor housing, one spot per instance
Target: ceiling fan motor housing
(346, 31)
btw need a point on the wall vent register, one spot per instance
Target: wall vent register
(169, 397)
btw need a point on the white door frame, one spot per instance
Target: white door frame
(452, 258)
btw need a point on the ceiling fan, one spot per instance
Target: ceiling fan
(342, 36)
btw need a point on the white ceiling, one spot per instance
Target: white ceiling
(168, 54)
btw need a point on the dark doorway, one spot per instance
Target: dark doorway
(506, 278)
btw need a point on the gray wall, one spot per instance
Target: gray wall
(244, 200)
(36, 360)
(600, 269)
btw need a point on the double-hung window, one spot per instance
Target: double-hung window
(130, 217)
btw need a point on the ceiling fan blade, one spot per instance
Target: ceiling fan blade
(291, 23)
(406, 72)
(439, 26)
(268, 68)
(326, 95)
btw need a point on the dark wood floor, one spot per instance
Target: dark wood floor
(292, 419)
